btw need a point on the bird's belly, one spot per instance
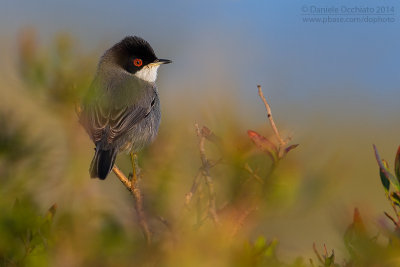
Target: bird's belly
(143, 133)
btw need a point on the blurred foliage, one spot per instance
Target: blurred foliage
(14, 141)
(206, 206)
(25, 235)
(55, 72)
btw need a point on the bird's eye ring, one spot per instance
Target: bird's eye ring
(137, 62)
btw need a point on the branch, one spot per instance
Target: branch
(189, 195)
(282, 142)
(133, 187)
(395, 212)
(205, 171)
(122, 177)
(253, 174)
(392, 219)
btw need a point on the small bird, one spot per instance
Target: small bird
(121, 109)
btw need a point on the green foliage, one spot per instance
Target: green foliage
(259, 253)
(53, 73)
(25, 235)
(397, 164)
(385, 181)
(387, 176)
(14, 141)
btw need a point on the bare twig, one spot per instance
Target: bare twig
(392, 219)
(196, 181)
(253, 174)
(282, 142)
(205, 171)
(133, 187)
(189, 195)
(326, 251)
(212, 204)
(271, 119)
(395, 212)
(137, 195)
(317, 253)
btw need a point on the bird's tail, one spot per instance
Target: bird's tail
(102, 163)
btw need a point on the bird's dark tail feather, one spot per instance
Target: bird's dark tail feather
(102, 163)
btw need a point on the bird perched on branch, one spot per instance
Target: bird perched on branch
(121, 110)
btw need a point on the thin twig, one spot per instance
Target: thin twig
(395, 212)
(133, 187)
(189, 195)
(326, 251)
(140, 212)
(282, 142)
(317, 253)
(392, 219)
(253, 174)
(205, 171)
(271, 119)
(212, 204)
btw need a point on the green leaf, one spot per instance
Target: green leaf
(51, 212)
(385, 181)
(355, 233)
(393, 180)
(397, 164)
(260, 244)
(271, 249)
(330, 261)
(395, 197)
(47, 221)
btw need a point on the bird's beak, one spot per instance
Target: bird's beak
(158, 62)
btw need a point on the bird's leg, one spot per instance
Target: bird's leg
(135, 168)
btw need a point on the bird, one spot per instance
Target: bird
(121, 109)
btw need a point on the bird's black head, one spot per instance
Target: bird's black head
(133, 54)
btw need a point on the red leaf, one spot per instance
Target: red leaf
(264, 144)
(358, 222)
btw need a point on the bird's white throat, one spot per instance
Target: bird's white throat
(148, 73)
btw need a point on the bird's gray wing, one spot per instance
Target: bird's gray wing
(113, 108)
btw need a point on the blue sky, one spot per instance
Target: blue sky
(240, 43)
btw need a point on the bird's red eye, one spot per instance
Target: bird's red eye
(137, 62)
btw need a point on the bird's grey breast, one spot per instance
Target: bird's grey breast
(146, 130)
